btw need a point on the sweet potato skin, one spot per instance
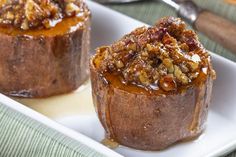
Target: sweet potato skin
(150, 122)
(42, 66)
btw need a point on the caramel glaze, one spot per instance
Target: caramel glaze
(67, 25)
(115, 81)
(200, 89)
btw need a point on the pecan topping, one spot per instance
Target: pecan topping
(165, 56)
(27, 14)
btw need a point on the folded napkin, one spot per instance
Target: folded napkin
(16, 129)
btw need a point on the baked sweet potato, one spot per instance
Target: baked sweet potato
(45, 62)
(153, 87)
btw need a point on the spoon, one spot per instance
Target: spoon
(213, 26)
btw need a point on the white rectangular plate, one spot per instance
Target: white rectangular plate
(75, 110)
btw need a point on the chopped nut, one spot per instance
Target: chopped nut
(177, 71)
(139, 31)
(184, 68)
(32, 10)
(162, 70)
(143, 78)
(165, 54)
(180, 76)
(132, 47)
(167, 62)
(144, 54)
(25, 25)
(184, 47)
(10, 15)
(119, 64)
(156, 76)
(152, 48)
(171, 69)
(168, 83)
(71, 9)
(193, 65)
(119, 46)
(38, 13)
(3, 2)
(184, 79)
(160, 57)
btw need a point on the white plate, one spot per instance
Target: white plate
(76, 110)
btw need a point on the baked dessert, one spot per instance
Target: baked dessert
(44, 46)
(152, 88)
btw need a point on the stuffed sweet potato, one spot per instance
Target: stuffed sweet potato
(44, 47)
(153, 87)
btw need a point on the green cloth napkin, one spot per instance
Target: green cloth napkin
(149, 11)
(16, 129)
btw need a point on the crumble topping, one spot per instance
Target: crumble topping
(165, 56)
(29, 14)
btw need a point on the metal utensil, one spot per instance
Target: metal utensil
(215, 27)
